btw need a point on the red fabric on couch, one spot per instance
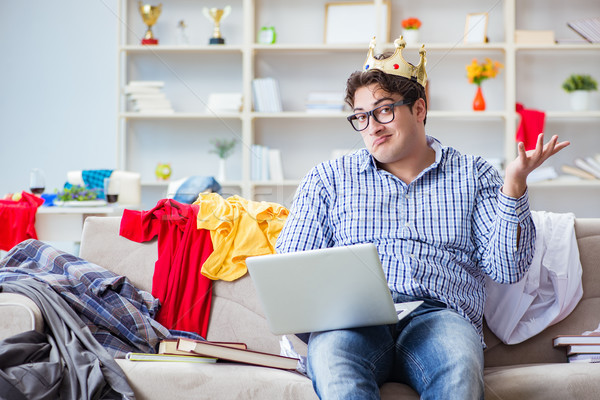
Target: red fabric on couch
(185, 294)
(17, 220)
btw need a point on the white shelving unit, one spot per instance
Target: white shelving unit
(302, 63)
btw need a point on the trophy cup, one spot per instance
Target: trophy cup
(149, 14)
(216, 15)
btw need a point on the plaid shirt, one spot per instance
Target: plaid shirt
(437, 237)
(119, 316)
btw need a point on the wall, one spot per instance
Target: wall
(58, 104)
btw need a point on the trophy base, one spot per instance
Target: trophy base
(150, 41)
(215, 40)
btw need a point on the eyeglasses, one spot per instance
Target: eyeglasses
(382, 114)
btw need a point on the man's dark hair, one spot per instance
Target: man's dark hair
(389, 83)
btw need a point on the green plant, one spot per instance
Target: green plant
(222, 148)
(579, 82)
(77, 193)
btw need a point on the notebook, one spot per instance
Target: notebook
(325, 289)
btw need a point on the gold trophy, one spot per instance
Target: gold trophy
(149, 14)
(216, 15)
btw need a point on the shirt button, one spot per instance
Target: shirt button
(406, 196)
(407, 224)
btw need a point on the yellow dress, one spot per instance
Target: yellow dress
(239, 228)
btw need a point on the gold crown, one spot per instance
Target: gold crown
(396, 64)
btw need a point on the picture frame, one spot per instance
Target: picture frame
(356, 22)
(476, 28)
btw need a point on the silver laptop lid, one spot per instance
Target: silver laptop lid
(324, 289)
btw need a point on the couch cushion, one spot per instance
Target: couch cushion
(574, 381)
(167, 380)
(19, 314)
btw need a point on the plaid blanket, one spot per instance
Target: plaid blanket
(120, 316)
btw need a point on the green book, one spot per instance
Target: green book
(169, 357)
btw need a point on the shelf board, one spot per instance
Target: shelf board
(136, 115)
(477, 115)
(300, 114)
(566, 182)
(310, 47)
(557, 46)
(572, 114)
(433, 114)
(164, 184)
(181, 49)
(362, 47)
(286, 182)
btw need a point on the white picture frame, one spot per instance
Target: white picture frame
(356, 22)
(476, 28)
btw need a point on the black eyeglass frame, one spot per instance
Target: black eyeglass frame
(370, 114)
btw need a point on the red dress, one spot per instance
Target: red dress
(17, 220)
(185, 294)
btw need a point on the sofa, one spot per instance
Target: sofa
(529, 370)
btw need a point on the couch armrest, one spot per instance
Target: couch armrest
(18, 314)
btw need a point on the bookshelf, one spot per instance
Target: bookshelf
(302, 63)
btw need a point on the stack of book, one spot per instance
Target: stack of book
(148, 97)
(585, 168)
(580, 348)
(266, 164)
(203, 351)
(323, 102)
(267, 97)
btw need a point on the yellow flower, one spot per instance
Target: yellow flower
(478, 72)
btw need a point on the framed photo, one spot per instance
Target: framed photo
(476, 28)
(356, 22)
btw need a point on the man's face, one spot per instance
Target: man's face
(395, 140)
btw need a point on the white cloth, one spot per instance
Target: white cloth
(548, 292)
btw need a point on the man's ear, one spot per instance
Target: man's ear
(420, 109)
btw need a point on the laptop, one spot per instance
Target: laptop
(325, 289)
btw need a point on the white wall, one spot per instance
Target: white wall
(57, 96)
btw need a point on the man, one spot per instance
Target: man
(441, 222)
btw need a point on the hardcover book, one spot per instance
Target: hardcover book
(583, 349)
(566, 340)
(169, 346)
(208, 349)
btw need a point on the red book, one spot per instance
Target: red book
(210, 349)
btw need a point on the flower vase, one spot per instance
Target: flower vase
(479, 101)
(222, 175)
(411, 36)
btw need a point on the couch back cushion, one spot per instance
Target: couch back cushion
(101, 244)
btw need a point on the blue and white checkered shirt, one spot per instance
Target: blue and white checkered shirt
(437, 237)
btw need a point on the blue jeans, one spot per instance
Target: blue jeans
(434, 350)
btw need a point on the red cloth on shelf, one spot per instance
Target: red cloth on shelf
(17, 220)
(185, 294)
(531, 125)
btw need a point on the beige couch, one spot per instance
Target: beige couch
(530, 370)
